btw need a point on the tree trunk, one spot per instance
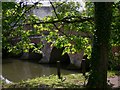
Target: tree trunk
(100, 50)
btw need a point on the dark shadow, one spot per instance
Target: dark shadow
(85, 64)
(5, 53)
(6, 61)
(32, 56)
(56, 55)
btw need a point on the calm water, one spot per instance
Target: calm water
(16, 70)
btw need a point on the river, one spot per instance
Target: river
(16, 70)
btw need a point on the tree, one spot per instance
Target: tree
(66, 26)
(100, 50)
(59, 26)
(115, 36)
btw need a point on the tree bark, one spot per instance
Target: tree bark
(100, 50)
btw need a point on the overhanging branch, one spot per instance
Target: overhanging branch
(24, 14)
(80, 20)
(54, 9)
(60, 30)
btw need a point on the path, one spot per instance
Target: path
(115, 81)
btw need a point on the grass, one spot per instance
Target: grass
(52, 81)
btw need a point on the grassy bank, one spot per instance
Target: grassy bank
(52, 81)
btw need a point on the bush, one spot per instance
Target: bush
(114, 62)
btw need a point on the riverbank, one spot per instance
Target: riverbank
(52, 81)
(24, 69)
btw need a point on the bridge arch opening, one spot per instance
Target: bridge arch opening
(56, 55)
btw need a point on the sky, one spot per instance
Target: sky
(47, 2)
(63, 0)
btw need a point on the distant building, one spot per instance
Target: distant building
(42, 11)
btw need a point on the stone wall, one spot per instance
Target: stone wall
(46, 50)
(52, 54)
(76, 58)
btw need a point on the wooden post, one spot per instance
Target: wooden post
(58, 69)
(83, 67)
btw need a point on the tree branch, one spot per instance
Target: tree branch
(60, 4)
(80, 20)
(24, 14)
(60, 30)
(54, 9)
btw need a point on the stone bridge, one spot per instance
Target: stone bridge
(52, 54)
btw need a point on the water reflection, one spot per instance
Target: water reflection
(17, 70)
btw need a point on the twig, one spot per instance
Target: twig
(54, 9)
(80, 20)
(60, 30)
(24, 14)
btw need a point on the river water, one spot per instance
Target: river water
(16, 70)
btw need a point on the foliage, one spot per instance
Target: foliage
(112, 73)
(61, 34)
(15, 37)
(66, 32)
(114, 61)
(115, 33)
(65, 35)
